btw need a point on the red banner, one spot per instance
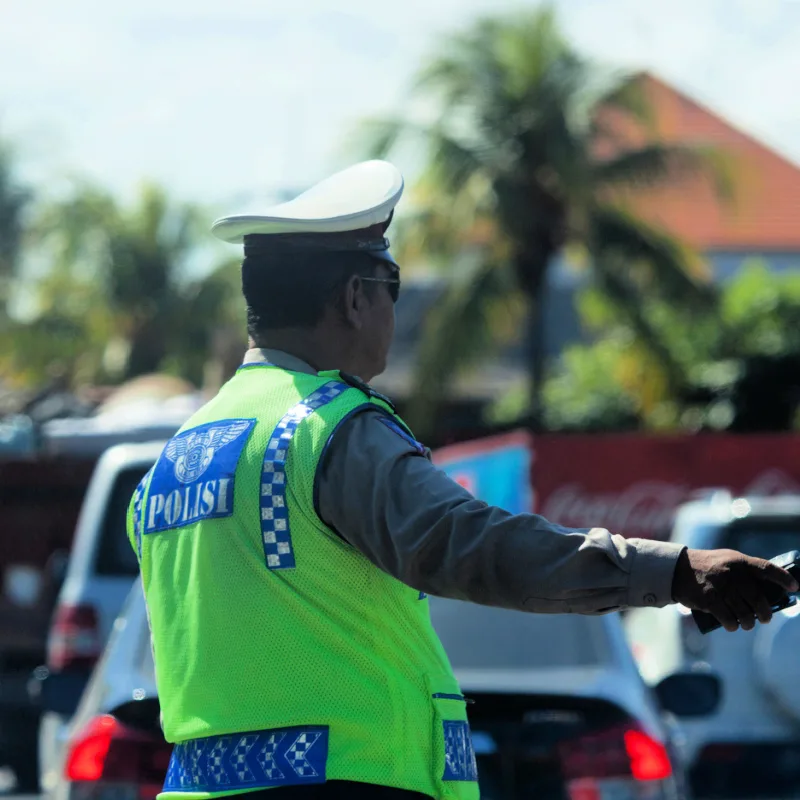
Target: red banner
(632, 484)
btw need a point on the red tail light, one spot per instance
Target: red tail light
(621, 751)
(74, 638)
(109, 753)
(649, 758)
(87, 758)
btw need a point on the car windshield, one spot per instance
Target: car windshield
(116, 556)
(481, 637)
(760, 538)
(765, 541)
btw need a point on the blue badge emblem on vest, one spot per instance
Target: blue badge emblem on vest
(194, 451)
(138, 516)
(194, 477)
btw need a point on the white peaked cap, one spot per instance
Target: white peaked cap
(359, 197)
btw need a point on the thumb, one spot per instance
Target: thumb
(773, 573)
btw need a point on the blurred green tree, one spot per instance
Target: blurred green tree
(117, 297)
(520, 163)
(741, 362)
(760, 310)
(15, 201)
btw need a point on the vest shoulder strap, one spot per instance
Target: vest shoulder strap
(372, 394)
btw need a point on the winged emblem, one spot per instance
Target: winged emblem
(193, 453)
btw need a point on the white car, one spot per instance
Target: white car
(113, 744)
(559, 710)
(751, 746)
(101, 570)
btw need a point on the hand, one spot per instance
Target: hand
(735, 588)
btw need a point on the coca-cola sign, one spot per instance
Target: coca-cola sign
(633, 484)
(645, 507)
(772, 483)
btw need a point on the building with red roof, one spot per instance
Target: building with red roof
(761, 218)
(758, 219)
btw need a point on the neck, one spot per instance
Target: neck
(318, 349)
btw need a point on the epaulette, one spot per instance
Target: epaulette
(357, 383)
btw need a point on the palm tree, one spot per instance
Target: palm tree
(123, 274)
(522, 160)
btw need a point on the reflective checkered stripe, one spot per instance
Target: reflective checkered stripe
(258, 760)
(274, 512)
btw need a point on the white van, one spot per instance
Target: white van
(101, 571)
(750, 747)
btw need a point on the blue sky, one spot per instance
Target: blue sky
(227, 101)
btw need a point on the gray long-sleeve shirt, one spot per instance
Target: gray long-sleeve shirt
(387, 499)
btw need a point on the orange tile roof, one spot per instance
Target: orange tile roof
(763, 215)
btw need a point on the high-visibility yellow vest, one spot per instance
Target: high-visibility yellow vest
(283, 656)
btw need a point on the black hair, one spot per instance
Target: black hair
(292, 289)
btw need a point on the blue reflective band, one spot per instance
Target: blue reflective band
(278, 550)
(402, 433)
(459, 757)
(261, 759)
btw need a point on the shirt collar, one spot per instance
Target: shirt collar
(279, 358)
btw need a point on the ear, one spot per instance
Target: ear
(354, 302)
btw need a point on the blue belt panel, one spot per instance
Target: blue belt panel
(277, 757)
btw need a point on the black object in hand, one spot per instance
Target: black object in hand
(790, 562)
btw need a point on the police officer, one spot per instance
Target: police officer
(289, 534)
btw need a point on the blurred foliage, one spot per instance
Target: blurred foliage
(587, 392)
(115, 298)
(740, 362)
(15, 200)
(513, 173)
(761, 311)
(519, 165)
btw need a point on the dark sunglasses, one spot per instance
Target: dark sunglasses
(393, 285)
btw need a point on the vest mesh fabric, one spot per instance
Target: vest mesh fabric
(334, 641)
